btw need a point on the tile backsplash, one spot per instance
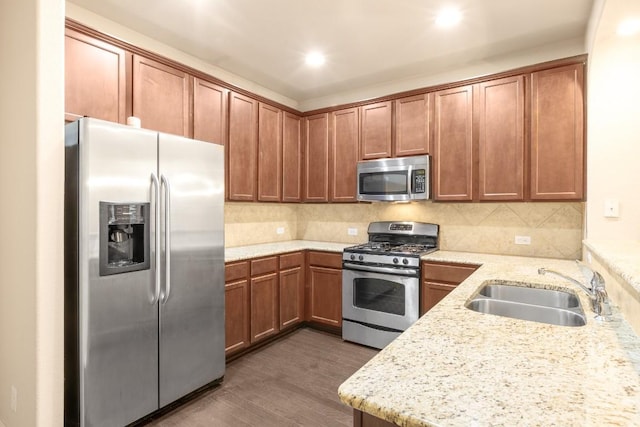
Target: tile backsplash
(555, 229)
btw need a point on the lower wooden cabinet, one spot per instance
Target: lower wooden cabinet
(264, 298)
(324, 288)
(291, 278)
(236, 294)
(438, 279)
(362, 419)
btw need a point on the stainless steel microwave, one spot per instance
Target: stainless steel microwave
(394, 180)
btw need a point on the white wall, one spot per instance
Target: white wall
(613, 133)
(31, 211)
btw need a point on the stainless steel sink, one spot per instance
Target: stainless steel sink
(521, 301)
(537, 296)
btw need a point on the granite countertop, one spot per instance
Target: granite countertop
(621, 256)
(457, 367)
(266, 249)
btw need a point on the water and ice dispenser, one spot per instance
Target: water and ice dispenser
(124, 237)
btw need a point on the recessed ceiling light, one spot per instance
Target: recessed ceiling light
(314, 59)
(448, 17)
(629, 27)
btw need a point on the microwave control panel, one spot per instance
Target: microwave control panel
(418, 179)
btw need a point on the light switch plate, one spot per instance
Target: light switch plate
(351, 231)
(280, 230)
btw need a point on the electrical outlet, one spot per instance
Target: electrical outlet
(352, 231)
(523, 240)
(280, 230)
(14, 398)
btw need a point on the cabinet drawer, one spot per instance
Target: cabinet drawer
(450, 273)
(264, 266)
(236, 271)
(325, 259)
(295, 259)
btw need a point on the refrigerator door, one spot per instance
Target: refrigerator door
(118, 320)
(192, 297)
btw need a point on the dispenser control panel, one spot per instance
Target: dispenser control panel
(124, 237)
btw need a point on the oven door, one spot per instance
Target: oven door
(380, 299)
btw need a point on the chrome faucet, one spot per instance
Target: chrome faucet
(597, 293)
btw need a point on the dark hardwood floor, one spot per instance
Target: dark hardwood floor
(290, 382)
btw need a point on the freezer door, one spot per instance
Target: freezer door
(118, 321)
(192, 297)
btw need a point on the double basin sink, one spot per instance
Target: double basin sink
(522, 301)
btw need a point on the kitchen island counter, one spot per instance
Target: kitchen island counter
(457, 367)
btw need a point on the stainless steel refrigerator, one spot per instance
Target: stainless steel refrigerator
(144, 270)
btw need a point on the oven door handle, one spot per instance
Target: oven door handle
(375, 269)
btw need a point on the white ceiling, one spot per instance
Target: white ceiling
(368, 43)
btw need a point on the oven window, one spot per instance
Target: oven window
(379, 295)
(384, 183)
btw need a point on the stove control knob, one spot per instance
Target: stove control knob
(361, 258)
(405, 261)
(353, 257)
(395, 260)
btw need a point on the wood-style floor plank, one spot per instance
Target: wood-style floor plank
(290, 382)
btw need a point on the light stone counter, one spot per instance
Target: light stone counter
(621, 256)
(266, 249)
(457, 367)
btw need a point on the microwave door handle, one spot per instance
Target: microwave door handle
(409, 174)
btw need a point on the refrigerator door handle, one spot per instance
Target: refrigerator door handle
(156, 191)
(167, 239)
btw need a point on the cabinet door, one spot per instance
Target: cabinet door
(269, 153)
(453, 144)
(411, 126)
(325, 296)
(236, 311)
(376, 130)
(432, 294)
(95, 79)
(316, 183)
(438, 279)
(291, 158)
(161, 96)
(242, 147)
(264, 306)
(557, 134)
(344, 155)
(501, 139)
(209, 112)
(291, 297)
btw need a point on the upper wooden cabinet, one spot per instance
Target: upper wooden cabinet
(209, 112)
(344, 155)
(412, 125)
(242, 147)
(316, 183)
(376, 135)
(291, 158)
(557, 134)
(501, 139)
(269, 153)
(161, 96)
(453, 168)
(95, 79)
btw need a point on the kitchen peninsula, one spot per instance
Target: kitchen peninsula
(457, 367)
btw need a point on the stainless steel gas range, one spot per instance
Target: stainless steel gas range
(381, 281)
